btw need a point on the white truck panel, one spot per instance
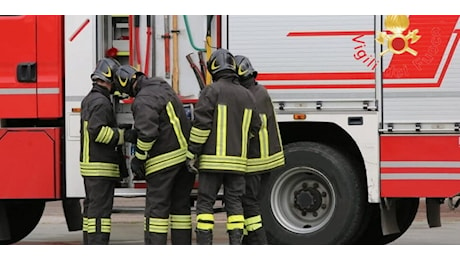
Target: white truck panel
(80, 59)
(325, 46)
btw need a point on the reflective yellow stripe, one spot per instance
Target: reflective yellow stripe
(189, 155)
(85, 151)
(105, 135)
(205, 217)
(141, 156)
(144, 146)
(205, 221)
(91, 225)
(99, 169)
(245, 130)
(121, 136)
(175, 122)
(106, 225)
(158, 225)
(213, 162)
(181, 221)
(253, 223)
(278, 131)
(262, 164)
(199, 136)
(221, 142)
(85, 224)
(235, 222)
(263, 137)
(163, 161)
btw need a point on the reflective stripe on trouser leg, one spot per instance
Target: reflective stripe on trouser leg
(85, 230)
(181, 229)
(252, 223)
(205, 221)
(181, 221)
(98, 231)
(235, 222)
(157, 225)
(155, 231)
(94, 225)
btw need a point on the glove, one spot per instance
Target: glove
(130, 135)
(138, 168)
(192, 164)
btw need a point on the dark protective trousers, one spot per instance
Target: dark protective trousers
(97, 210)
(168, 205)
(209, 185)
(254, 230)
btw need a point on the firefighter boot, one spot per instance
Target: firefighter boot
(85, 238)
(235, 236)
(98, 238)
(181, 236)
(156, 238)
(256, 237)
(203, 237)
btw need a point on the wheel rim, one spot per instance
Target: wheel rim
(312, 195)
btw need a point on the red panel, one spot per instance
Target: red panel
(18, 45)
(50, 59)
(420, 165)
(420, 188)
(435, 32)
(420, 148)
(30, 160)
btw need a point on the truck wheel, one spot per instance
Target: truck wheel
(318, 197)
(406, 210)
(22, 216)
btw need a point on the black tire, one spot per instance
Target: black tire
(23, 216)
(318, 197)
(406, 210)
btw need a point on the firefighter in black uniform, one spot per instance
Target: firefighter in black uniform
(163, 129)
(265, 153)
(99, 158)
(223, 123)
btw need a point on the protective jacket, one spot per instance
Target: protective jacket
(161, 123)
(99, 135)
(265, 149)
(219, 133)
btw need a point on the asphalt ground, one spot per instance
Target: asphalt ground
(127, 237)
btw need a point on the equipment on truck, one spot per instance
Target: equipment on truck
(368, 110)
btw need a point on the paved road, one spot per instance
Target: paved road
(127, 226)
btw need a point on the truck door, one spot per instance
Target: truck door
(18, 67)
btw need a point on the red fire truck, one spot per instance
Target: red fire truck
(368, 108)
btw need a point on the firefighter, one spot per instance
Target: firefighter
(265, 153)
(162, 133)
(224, 120)
(99, 158)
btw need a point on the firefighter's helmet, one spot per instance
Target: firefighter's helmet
(221, 60)
(244, 67)
(105, 69)
(125, 77)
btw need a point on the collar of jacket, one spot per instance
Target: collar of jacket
(248, 82)
(101, 89)
(144, 81)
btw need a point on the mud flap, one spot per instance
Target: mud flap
(4, 224)
(73, 214)
(388, 217)
(433, 212)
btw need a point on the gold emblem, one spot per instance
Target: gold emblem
(108, 74)
(397, 42)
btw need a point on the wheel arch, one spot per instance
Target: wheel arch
(362, 149)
